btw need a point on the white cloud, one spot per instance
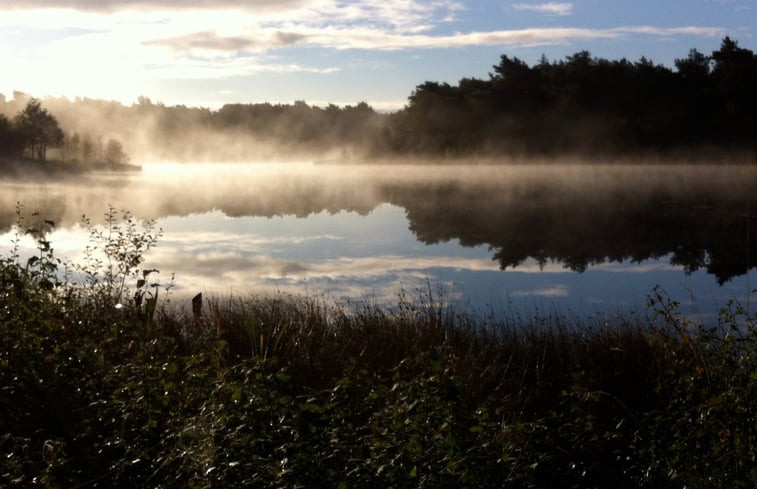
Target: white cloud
(395, 15)
(114, 49)
(377, 39)
(108, 6)
(551, 8)
(118, 49)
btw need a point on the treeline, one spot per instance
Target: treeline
(585, 104)
(582, 105)
(234, 132)
(34, 130)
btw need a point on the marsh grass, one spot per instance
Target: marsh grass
(99, 386)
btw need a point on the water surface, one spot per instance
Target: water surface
(578, 239)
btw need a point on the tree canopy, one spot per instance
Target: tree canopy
(584, 104)
(34, 130)
(38, 130)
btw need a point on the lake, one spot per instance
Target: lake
(570, 239)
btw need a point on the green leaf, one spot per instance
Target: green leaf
(312, 407)
(236, 395)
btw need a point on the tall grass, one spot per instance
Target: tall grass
(101, 387)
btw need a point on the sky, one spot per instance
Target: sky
(211, 52)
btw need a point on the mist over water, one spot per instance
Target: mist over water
(568, 237)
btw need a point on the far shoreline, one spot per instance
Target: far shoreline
(27, 168)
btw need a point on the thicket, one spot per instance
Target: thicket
(102, 385)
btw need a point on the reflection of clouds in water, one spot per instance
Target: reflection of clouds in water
(547, 292)
(381, 265)
(223, 263)
(232, 267)
(234, 228)
(237, 239)
(67, 243)
(633, 267)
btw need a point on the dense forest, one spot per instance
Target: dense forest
(581, 105)
(586, 105)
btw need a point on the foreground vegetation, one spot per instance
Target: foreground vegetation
(102, 385)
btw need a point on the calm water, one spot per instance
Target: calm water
(577, 239)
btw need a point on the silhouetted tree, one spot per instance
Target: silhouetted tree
(114, 154)
(38, 130)
(695, 66)
(88, 149)
(10, 144)
(72, 147)
(735, 78)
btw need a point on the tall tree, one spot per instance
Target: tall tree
(114, 154)
(38, 129)
(9, 144)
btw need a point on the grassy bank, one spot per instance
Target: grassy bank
(102, 385)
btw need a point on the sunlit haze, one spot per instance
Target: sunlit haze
(503, 235)
(210, 52)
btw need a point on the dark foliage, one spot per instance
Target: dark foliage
(586, 105)
(34, 130)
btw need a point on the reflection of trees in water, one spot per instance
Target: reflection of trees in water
(276, 196)
(703, 217)
(581, 227)
(53, 210)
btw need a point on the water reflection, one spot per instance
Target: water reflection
(355, 230)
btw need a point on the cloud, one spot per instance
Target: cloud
(118, 5)
(397, 15)
(377, 39)
(211, 41)
(128, 47)
(551, 8)
(332, 24)
(204, 40)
